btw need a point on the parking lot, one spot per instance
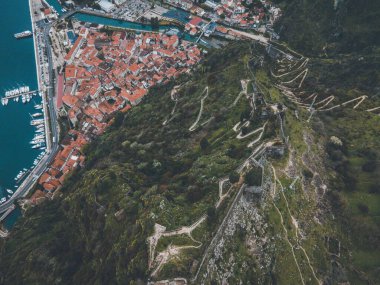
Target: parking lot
(132, 10)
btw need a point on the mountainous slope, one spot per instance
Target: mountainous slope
(140, 172)
(163, 192)
(342, 39)
(340, 26)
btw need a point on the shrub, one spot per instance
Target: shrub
(374, 189)
(204, 143)
(253, 177)
(234, 177)
(363, 208)
(369, 166)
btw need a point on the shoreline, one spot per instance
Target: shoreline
(31, 180)
(34, 44)
(39, 79)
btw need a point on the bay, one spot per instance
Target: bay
(17, 68)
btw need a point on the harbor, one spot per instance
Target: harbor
(37, 143)
(18, 69)
(47, 124)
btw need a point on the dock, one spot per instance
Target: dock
(3, 234)
(34, 92)
(7, 212)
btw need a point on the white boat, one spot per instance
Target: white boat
(37, 122)
(19, 175)
(23, 34)
(38, 145)
(23, 99)
(4, 101)
(36, 141)
(38, 107)
(9, 191)
(16, 99)
(39, 137)
(37, 115)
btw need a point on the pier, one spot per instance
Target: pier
(3, 234)
(34, 92)
(7, 212)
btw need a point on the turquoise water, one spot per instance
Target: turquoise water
(17, 67)
(117, 23)
(130, 25)
(55, 5)
(121, 24)
(12, 218)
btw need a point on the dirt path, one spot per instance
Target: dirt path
(194, 126)
(241, 136)
(172, 251)
(221, 195)
(251, 144)
(295, 224)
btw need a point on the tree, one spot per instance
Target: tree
(204, 143)
(363, 208)
(234, 177)
(253, 178)
(154, 22)
(244, 131)
(374, 189)
(245, 115)
(211, 214)
(369, 166)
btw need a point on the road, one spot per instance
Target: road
(259, 38)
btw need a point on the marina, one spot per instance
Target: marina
(18, 69)
(22, 92)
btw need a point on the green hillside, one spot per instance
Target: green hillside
(144, 172)
(162, 194)
(316, 27)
